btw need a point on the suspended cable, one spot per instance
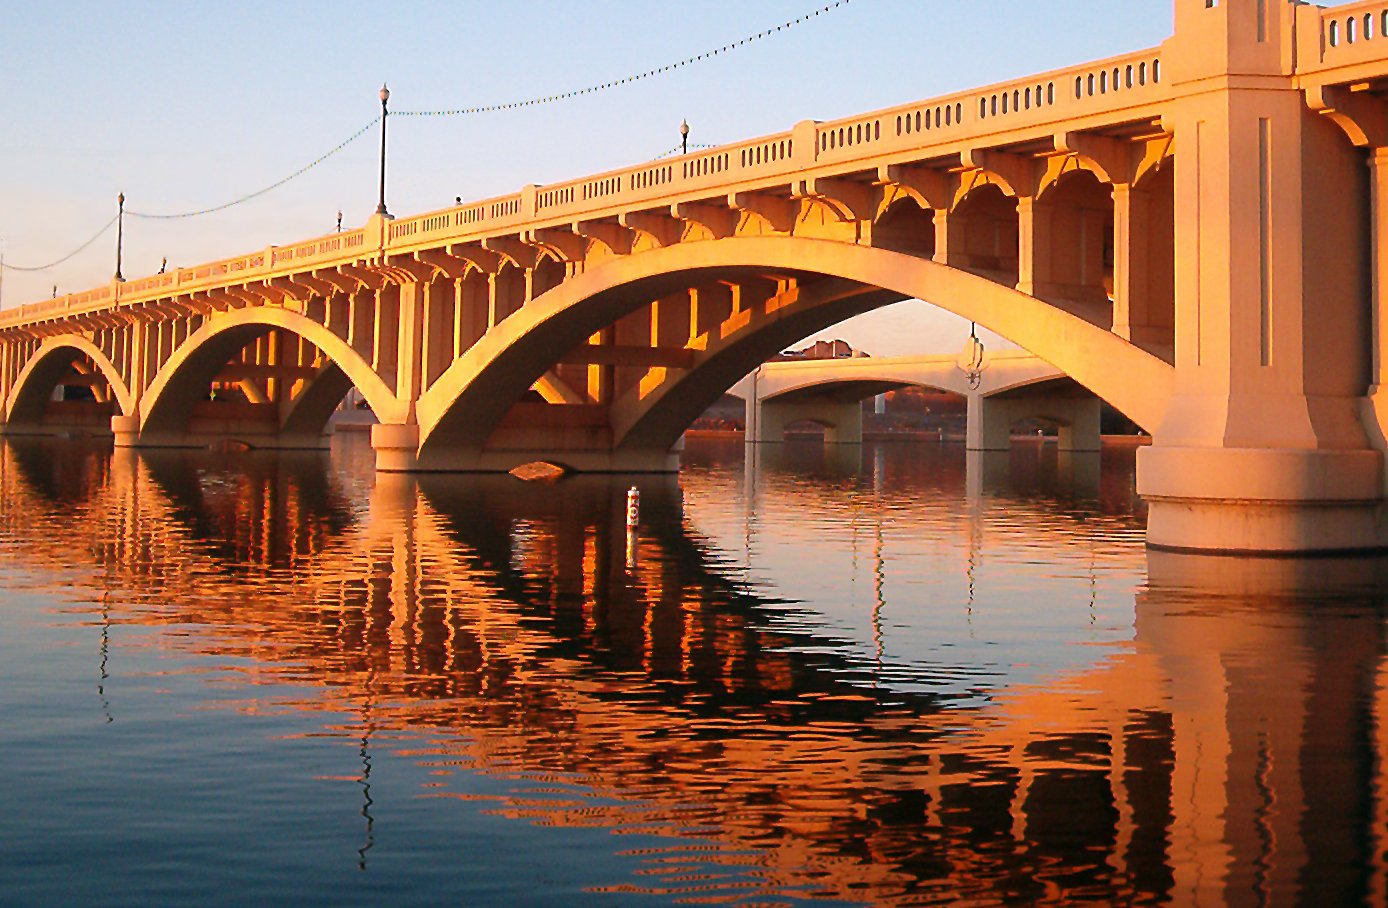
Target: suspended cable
(660, 70)
(533, 102)
(680, 147)
(53, 264)
(259, 192)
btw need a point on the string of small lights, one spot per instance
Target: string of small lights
(56, 262)
(480, 109)
(616, 83)
(259, 192)
(679, 148)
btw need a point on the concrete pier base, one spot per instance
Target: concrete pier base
(204, 434)
(396, 447)
(1262, 501)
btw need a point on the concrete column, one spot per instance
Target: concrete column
(1131, 209)
(751, 386)
(1375, 408)
(950, 243)
(409, 368)
(1081, 431)
(602, 378)
(6, 352)
(1262, 448)
(987, 426)
(1035, 265)
(438, 330)
(847, 426)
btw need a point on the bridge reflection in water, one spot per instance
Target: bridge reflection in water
(1229, 747)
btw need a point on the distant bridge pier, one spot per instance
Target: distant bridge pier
(985, 471)
(842, 420)
(991, 419)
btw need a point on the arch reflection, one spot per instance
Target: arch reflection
(1231, 751)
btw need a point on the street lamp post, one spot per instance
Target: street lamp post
(381, 206)
(684, 137)
(120, 232)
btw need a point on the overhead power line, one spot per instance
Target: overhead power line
(657, 71)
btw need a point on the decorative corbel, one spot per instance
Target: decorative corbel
(718, 220)
(662, 229)
(612, 235)
(522, 255)
(849, 201)
(780, 213)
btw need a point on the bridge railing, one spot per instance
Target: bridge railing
(1353, 33)
(931, 126)
(1098, 86)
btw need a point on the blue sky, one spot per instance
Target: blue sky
(186, 105)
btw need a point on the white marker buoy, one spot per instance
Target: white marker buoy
(633, 521)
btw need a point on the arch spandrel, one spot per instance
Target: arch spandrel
(211, 346)
(56, 346)
(474, 392)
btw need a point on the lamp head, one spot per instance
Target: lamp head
(385, 93)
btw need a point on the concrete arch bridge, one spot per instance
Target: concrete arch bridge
(1185, 231)
(1013, 385)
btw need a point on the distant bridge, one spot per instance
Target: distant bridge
(1014, 385)
(1189, 231)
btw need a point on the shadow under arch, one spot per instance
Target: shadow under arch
(45, 370)
(168, 404)
(838, 280)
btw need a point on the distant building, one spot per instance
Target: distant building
(834, 349)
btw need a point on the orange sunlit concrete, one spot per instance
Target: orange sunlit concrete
(1193, 232)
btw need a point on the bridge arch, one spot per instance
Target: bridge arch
(1007, 371)
(838, 280)
(47, 366)
(180, 384)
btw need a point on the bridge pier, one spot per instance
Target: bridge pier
(1262, 448)
(126, 430)
(768, 419)
(396, 447)
(990, 420)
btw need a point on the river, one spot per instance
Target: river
(886, 674)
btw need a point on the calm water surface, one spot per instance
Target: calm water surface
(894, 674)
